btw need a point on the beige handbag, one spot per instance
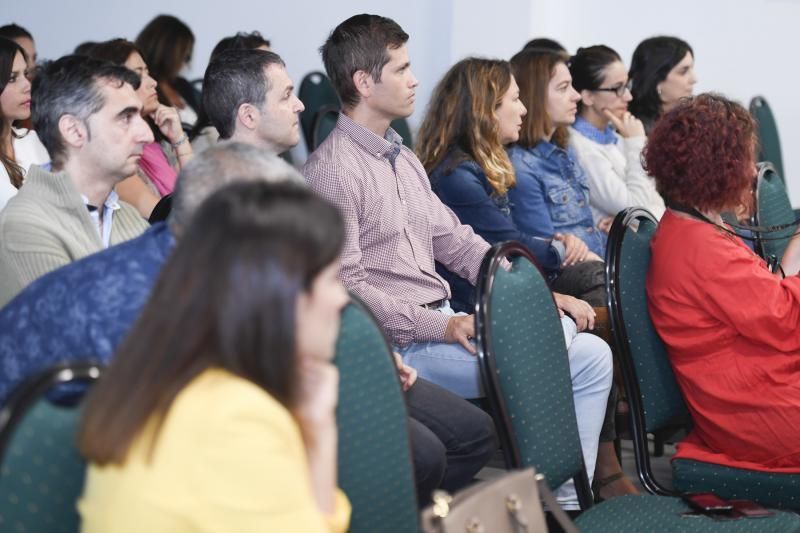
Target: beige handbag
(508, 504)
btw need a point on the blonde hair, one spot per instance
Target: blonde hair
(460, 121)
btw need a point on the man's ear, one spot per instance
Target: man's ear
(73, 131)
(363, 83)
(248, 116)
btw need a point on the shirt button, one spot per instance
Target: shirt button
(580, 204)
(590, 229)
(564, 198)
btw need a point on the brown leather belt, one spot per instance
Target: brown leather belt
(434, 305)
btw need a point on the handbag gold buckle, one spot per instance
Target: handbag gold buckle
(441, 503)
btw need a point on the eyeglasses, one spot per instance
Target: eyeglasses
(619, 90)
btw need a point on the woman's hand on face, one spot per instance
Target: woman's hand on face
(627, 126)
(575, 249)
(318, 393)
(579, 310)
(168, 122)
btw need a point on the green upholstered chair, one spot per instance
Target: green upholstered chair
(526, 375)
(315, 91)
(769, 140)
(525, 370)
(654, 397)
(375, 468)
(326, 118)
(324, 123)
(773, 208)
(41, 472)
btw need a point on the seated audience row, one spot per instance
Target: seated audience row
(499, 161)
(249, 98)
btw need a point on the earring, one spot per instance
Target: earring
(658, 90)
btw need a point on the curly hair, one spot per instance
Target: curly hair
(460, 123)
(702, 153)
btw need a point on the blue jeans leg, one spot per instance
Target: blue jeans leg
(591, 370)
(447, 365)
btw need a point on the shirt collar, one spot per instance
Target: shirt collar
(588, 130)
(111, 203)
(387, 146)
(545, 148)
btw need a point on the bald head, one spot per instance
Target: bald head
(226, 162)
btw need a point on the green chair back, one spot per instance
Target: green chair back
(773, 208)
(525, 368)
(316, 91)
(375, 468)
(41, 472)
(653, 393)
(324, 123)
(400, 125)
(769, 140)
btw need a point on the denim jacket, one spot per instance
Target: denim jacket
(466, 190)
(552, 195)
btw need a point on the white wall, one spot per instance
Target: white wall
(742, 49)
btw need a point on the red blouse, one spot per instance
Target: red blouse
(732, 331)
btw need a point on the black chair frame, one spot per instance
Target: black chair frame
(29, 392)
(620, 335)
(497, 404)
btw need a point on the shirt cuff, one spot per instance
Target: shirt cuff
(431, 326)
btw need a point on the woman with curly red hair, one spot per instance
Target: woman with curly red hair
(729, 324)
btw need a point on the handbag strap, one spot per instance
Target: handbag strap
(553, 506)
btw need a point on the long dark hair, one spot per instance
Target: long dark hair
(166, 44)
(226, 298)
(652, 61)
(8, 51)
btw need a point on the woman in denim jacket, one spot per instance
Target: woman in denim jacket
(552, 192)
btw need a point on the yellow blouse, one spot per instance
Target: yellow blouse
(229, 457)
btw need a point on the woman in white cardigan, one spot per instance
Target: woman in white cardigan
(607, 139)
(19, 148)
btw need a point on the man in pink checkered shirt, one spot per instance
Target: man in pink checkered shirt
(396, 227)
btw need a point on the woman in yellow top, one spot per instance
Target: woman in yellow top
(218, 411)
